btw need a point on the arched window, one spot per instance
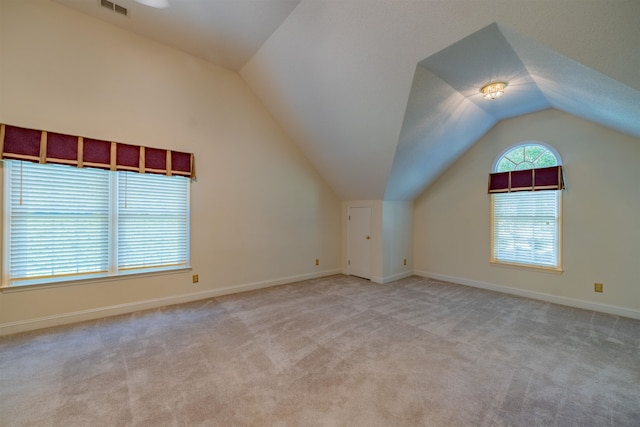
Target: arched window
(526, 186)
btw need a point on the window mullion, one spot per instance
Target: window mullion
(113, 223)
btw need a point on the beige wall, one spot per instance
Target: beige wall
(601, 207)
(260, 214)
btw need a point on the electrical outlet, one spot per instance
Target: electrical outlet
(317, 261)
(195, 278)
(598, 287)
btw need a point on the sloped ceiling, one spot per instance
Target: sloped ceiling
(225, 32)
(446, 113)
(382, 95)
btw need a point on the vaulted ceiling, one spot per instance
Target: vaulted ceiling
(382, 95)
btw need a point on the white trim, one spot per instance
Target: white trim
(88, 279)
(6, 227)
(392, 278)
(359, 205)
(100, 312)
(571, 302)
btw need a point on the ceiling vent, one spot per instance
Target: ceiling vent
(114, 7)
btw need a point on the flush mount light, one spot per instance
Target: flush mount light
(158, 4)
(493, 90)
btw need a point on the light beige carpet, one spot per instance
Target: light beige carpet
(336, 351)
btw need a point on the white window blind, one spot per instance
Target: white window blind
(152, 221)
(65, 223)
(58, 220)
(526, 228)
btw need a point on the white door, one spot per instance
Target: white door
(359, 263)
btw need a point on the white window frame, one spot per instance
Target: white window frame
(113, 271)
(558, 193)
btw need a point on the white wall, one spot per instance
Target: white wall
(260, 213)
(376, 234)
(391, 238)
(601, 208)
(397, 240)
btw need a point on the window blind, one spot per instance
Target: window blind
(66, 223)
(56, 227)
(153, 221)
(526, 228)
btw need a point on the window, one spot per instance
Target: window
(65, 223)
(526, 222)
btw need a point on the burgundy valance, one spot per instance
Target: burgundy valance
(527, 180)
(49, 147)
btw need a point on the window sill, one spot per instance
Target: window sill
(557, 270)
(79, 280)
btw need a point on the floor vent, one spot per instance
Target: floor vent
(114, 7)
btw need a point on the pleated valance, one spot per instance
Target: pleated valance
(549, 178)
(49, 147)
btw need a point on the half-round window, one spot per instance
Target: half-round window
(531, 155)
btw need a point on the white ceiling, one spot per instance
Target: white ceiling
(435, 132)
(382, 95)
(226, 32)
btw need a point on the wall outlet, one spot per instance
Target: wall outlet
(598, 287)
(317, 261)
(195, 278)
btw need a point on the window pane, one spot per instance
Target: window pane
(526, 228)
(64, 222)
(547, 159)
(153, 220)
(533, 152)
(526, 225)
(505, 165)
(516, 155)
(56, 227)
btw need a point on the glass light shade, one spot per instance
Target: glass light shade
(493, 90)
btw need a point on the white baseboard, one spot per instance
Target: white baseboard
(572, 302)
(114, 310)
(391, 278)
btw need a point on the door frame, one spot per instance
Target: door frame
(349, 243)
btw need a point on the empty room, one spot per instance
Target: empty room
(320, 212)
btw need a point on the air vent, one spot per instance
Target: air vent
(114, 7)
(121, 10)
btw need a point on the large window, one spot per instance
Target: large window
(64, 223)
(526, 218)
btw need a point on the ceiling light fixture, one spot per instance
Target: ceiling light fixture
(493, 90)
(158, 4)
